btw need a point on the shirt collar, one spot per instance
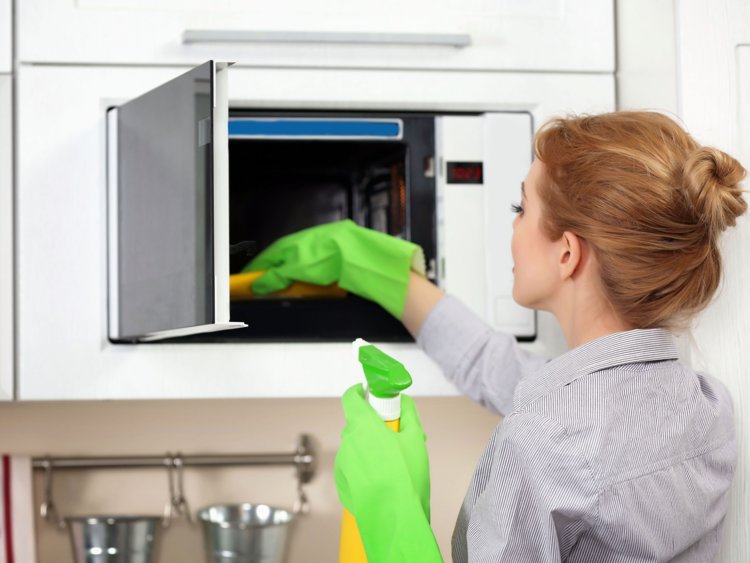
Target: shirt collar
(620, 348)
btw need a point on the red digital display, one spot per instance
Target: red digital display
(464, 172)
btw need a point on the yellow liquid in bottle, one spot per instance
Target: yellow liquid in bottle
(351, 549)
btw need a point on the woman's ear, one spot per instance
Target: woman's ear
(571, 255)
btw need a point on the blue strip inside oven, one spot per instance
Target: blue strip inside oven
(285, 128)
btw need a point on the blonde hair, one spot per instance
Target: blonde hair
(650, 201)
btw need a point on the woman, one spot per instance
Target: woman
(613, 451)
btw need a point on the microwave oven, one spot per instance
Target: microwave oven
(196, 186)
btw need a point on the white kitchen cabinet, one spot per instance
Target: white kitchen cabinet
(6, 36)
(63, 350)
(743, 82)
(514, 35)
(6, 240)
(713, 72)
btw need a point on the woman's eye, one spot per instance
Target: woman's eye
(516, 208)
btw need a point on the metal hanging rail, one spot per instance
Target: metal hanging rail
(150, 461)
(303, 458)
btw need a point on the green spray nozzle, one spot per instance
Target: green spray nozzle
(385, 376)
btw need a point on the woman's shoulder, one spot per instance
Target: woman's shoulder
(630, 420)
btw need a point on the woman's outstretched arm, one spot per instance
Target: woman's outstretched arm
(421, 297)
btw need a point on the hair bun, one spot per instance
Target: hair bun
(712, 180)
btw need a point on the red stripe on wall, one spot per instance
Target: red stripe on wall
(7, 511)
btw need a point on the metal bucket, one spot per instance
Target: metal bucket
(245, 533)
(113, 539)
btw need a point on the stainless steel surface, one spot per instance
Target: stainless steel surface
(48, 510)
(177, 503)
(303, 458)
(113, 539)
(245, 533)
(147, 461)
(457, 40)
(306, 466)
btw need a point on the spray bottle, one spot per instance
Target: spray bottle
(385, 378)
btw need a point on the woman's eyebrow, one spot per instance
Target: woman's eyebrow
(523, 191)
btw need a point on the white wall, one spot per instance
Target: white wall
(713, 77)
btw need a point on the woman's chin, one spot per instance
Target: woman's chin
(518, 297)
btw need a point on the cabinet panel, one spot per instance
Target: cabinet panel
(62, 274)
(743, 82)
(554, 35)
(6, 239)
(6, 36)
(713, 71)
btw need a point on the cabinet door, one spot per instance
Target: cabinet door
(6, 241)
(543, 35)
(713, 71)
(168, 209)
(6, 36)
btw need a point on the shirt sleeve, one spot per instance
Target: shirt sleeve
(539, 497)
(482, 363)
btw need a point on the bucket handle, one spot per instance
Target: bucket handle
(302, 504)
(177, 503)
(47, 509)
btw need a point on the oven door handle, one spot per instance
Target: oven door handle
(457, 40)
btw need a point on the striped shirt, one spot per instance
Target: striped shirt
(611, 452)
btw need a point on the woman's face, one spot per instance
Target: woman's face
(535, 257)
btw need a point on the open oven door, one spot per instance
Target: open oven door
(168, 209)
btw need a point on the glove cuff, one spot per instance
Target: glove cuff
(418, 264)
(376, 266)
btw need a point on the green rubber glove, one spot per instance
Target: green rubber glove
(383, 479)
(367, 263)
